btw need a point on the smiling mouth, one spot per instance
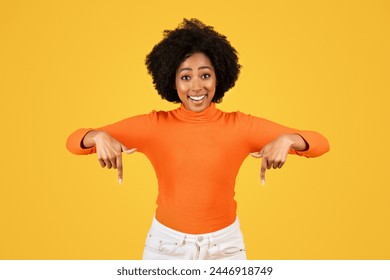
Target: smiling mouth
(197, 98)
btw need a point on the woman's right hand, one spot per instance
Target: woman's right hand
(108, 149)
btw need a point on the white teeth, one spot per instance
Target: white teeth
(197, 98)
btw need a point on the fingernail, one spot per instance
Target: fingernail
(263, 182)
(120, 181)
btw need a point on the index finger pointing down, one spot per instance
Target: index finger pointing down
(263, 168)
(120, 168)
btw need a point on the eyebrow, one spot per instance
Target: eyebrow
(187, 68)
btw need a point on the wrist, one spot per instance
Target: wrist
(298, 143)
(89, 139)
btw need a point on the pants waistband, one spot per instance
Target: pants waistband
(219, 234)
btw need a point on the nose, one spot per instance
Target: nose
(196, 84)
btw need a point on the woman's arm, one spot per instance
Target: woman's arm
(110, 141)
(274, 142)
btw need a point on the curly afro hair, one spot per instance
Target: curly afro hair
(192, 36)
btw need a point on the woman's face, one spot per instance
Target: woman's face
(195, 82)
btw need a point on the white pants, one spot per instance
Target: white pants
(164, 243)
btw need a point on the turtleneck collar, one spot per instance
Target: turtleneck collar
(209, 114)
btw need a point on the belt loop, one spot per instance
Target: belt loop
(181, 240)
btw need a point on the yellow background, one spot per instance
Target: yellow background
(320, 65)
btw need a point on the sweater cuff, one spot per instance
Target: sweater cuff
(74, 142)
(317, 144)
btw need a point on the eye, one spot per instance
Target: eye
(185, 78)
(206, 76)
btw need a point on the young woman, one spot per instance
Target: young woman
(196, 150)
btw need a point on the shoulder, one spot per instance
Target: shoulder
(236, 115)
(161, 116)
(247, 121)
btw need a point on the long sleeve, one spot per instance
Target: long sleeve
(132, 132)
(260, 131)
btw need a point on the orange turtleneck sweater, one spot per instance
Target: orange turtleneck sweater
(196, 157)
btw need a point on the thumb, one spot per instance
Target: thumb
(127, 150)
(257, 154)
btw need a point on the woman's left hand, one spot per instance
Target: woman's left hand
(274, 154)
